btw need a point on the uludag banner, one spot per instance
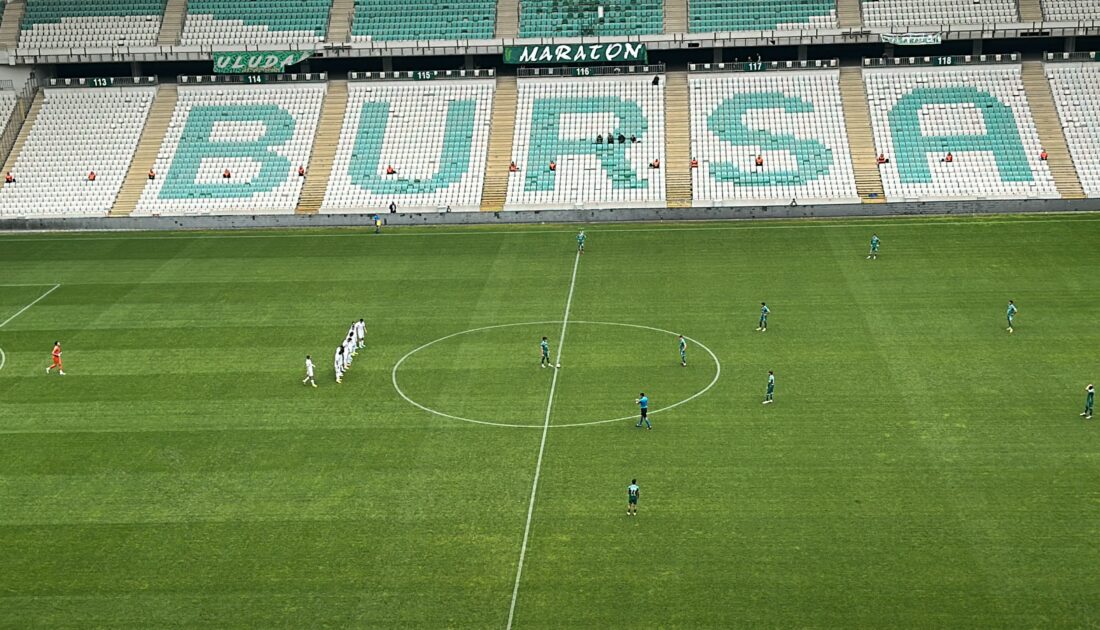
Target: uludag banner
(576, 53)
(248, 62)
(913, 39)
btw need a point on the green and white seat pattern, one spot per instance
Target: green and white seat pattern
(261, 133)
(902, 13)
(78, 130)
(255, 21)
(575, 18)
(979, 114)
(559, 119)
(435, 134)
(794, 120)
(423, 20)
(1076, 90)
(705, 16)
(90, 23)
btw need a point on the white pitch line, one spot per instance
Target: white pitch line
(24, 309)
(542, 444)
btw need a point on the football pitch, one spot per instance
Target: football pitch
(920, 466)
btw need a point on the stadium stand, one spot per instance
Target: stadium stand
(77, 131)
(575, 18)
(1071, 10)
(260, 134)
(887, 13)
(325, 145)
(434, 134)
(678, 171)
(145, 156)
(501, 130)
(255, 21)
(756, 15)
(104, 23)
(1076, 91)
(558, 120)
(978, 114)
(7, 106)
(423, 19)
(1049, 127)
(793, 120)
(861, 138)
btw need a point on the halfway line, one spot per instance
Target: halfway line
(542, 444)
(24, 309)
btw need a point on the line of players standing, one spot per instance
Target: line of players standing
(355, 341)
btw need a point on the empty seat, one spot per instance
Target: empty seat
(574, 18)
(255, 21)
(77, 131)
(261, 134)
(560, 121)
(1076, 90)
(979, 114)
(98, 23)
(1071, 10)
(705, 16)
(793, 120)
(423, 19)
(434, 134)
(901, 13)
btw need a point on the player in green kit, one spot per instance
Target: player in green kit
(544, 348)
(874, 247)
(683, 351)
(580, 242)
(769, 397)
(1011, 314)
(632, 492)
(1090, 395)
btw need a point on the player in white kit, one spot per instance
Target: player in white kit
(338, 363)
(360, 334)
(351, 335)
(309, 372)
(349, 345)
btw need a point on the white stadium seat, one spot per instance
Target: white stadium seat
(404, 124)
(727, 172)
(197, 186)
(901, 13)
(955, 110)
(1071, 10)
(77, 131)
(1076, 90)
(568, 114)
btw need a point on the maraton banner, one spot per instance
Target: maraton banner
(249, 62)
(576, 53)
(912, 39)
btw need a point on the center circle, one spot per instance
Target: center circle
(500, 423)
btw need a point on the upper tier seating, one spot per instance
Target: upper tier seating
(1071, 10)
(706, 16)
(1076, 90)
(91, 23)
(978, 114)
(423, 19)
(574, 18)
(900, 13)
(255, 21)
(559, 120)
(793, 120)
(435, 135)
(260, 133)
(77, 131)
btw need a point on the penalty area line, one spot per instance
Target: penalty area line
(4, 357)
(542, 443)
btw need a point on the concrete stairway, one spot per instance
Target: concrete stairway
(1030, 11)
(325, 144)
(507, 18)
(28, 124)
(156, 125)
(676, 16)
(1045, 114)
(339, 21)
(849, 13)
(677, 164)
(494, 190)
(861, 140)
(9, 28)
(171, 27)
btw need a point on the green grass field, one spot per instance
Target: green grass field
(920, 466)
